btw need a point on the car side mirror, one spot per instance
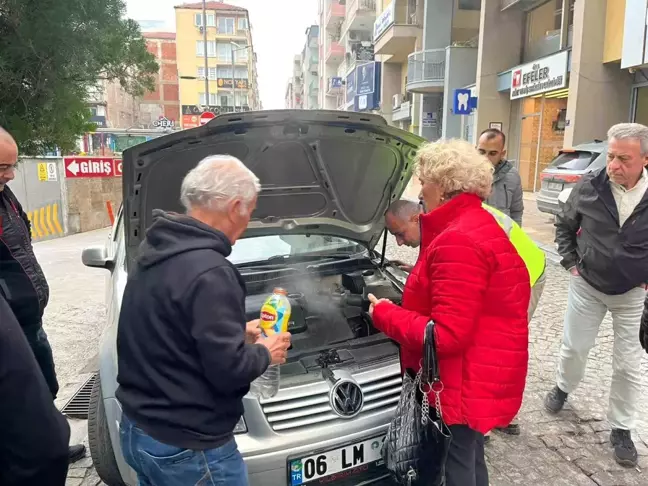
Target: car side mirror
(97, 257)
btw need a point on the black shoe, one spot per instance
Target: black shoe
(511, 429)
(76, 453)
(555, 400)
(625, 452)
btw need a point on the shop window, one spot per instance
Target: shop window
(543, 30)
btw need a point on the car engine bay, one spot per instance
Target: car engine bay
(327, 309)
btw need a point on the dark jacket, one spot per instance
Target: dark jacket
(506, 194)
(19, 269)
(610, 258)
(184, 366)
(33, 433)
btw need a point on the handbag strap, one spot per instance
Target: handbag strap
(430, 365)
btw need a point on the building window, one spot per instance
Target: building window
(211, 48)
(241, 99)
(226, 25)
(201, 72)
(225, 100)
(213, 98)
(242, 23)
(211, 20)
(224, 52)
(241, 72)
(469, 4)
(212, 73)
(225, 72)
(543, 30)
(241, 52)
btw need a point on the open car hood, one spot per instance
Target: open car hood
(322, 172)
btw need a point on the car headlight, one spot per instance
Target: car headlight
(240, 427)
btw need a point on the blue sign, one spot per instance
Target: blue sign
(351, 87)
(462, 104)
(366, 78)
(336, 82)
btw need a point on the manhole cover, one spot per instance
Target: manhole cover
(79, 404)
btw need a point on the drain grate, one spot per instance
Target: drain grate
(79, 404)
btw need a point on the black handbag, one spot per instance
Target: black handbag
(416, 447)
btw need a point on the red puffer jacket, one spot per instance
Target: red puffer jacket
(472, 283)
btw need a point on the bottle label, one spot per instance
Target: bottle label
(273, 318)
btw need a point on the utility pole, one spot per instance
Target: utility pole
(204, 15)
(232, 44)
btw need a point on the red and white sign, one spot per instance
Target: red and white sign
(76, 167)
(206, 117)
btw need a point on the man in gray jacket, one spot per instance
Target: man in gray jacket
(507, 185)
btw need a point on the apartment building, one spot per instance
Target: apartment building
(231, 84)
(161, 107)
(295, 87)
(310, 59)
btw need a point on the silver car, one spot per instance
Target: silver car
(566, 170)
(327, 179)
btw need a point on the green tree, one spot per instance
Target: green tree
(52, 53)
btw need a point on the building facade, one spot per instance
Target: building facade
(295, 87)
(232, 82)
(310, 59)
(162, 106)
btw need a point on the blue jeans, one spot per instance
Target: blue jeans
(158, 464)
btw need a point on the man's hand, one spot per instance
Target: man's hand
(374, 301)
(574, 271)
(405, 267)
(278, 345)
(252, 331)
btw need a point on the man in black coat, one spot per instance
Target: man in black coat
(602, 237)
(22, 274)
(33, 434)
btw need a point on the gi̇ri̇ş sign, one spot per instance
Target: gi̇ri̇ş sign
(546, 74)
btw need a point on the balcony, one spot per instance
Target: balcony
(426, 71)
(334, 15)
(403, 112)
(359, 15)
(334, 53)
(396, 30)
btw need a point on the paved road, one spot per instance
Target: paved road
(570, 449)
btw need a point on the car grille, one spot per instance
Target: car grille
(299, 408)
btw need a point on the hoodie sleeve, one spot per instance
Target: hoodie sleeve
(218, 328)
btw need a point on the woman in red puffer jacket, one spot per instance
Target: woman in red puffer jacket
(471, 282)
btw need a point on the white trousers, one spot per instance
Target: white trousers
(586, 308)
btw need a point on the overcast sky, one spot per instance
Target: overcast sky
(271, 20)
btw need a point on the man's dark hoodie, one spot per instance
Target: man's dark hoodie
(184, 366)
(33, 434)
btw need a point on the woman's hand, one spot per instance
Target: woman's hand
(374, 301)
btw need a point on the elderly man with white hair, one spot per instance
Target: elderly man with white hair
(185, 358)
(602, 236)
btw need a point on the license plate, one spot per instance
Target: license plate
(336, 461)
(555, 186)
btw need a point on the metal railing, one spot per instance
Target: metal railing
(428, 65)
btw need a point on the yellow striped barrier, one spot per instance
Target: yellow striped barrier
(45, 222)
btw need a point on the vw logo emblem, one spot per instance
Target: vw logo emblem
(346, 398)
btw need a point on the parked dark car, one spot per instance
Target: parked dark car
(566, 170)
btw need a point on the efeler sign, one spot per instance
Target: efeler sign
(546, 74)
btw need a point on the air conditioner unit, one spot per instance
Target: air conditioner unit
(397, 100)
(201, 29)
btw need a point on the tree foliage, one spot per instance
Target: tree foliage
(52, 53)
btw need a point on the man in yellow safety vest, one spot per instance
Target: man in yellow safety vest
(402, 221)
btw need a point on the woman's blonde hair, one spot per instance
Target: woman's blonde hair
(455, 166)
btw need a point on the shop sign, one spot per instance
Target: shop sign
(163, 122)
(191, 113)
(366, 78)
(363, 52)
(546, 74)
(227, 83)
(336, 82)
(384, 20)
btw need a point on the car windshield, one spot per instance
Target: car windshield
(577, 160)
(262, 248)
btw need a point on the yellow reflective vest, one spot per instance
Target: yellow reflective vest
(534, 257)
